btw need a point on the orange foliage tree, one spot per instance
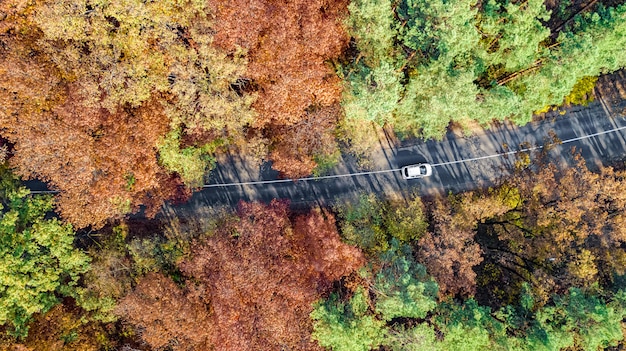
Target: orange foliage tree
(168, 314)
(288, 44)
(258, 278)
(553, 228)
(115, 104)
(104, 163)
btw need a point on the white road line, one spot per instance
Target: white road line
(398, 169)
(488, 156)
(334, 176)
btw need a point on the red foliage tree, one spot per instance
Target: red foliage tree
(288, 44)
(259, 274)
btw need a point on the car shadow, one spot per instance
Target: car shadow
(409, 157)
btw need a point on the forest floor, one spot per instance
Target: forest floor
(611, 88)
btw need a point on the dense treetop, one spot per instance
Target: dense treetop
(122, 104)
(251, 286)
(98, 97)
(534, 263)
(38, 262)
(402, 290)
(118, 104)
(288, 45)
(423, 64)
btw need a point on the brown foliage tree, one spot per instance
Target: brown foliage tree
(288, 43)
(65, 327)
(554, 228)
(259, 274)
(168, 315)
(449, 252)
(570, 225)
(61, 329)
(295, 145)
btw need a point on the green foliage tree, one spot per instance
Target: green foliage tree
(342, 326)
(368, 321)
(440, 80)
(362, 224)
(372, 222)
(574, 320)
(402, 288)
(467, 326)
(432, 62)
(584, 49)
(408, 290)
(191, 162)
(374, 77)
(38, 263)
(512, 34)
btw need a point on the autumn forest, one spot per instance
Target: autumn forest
(123, 107)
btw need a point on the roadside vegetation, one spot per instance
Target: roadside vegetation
(119, 105)
(535, 262)
(122, 106)
(420, 65)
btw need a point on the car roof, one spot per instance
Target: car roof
(414, 170)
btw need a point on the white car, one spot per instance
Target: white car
(420, 170)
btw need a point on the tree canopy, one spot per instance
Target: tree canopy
(116, 104)
(250, 286)
(124, 104)
(398, 310)
(288, 44)
(121, 105)
(424, 64)
(38, 261)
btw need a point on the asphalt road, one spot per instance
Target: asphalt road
(450, 172)
(459, 162)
